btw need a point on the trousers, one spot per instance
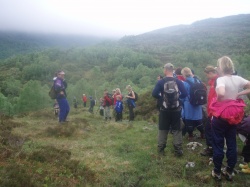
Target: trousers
(64, 109)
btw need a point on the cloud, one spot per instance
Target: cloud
(110, 17)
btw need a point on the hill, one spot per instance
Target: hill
(36, 151)
(14, 43)
(222, 36)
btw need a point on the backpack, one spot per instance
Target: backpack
(52, 93)
(136, 96)
(198, 92)
(170, 98)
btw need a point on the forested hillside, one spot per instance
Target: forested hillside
(25, 79)
(14, 43)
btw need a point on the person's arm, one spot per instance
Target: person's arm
(157, 91)
(246, 91)
(182, 89)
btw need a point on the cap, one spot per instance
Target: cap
(169, 66)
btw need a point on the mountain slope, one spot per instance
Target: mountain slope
(228, 35)
(13, 43)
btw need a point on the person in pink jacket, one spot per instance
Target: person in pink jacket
(227, 90)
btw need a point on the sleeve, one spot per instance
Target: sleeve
(157, 90)
(182, 89)
(220, 82)
(243, 82)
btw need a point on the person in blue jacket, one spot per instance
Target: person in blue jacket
(192, 115)
(118, 108)
(169, 118)
(60, 88)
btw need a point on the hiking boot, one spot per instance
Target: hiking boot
(161, 152)
(207, 152)
(228, 175)
(247, 171)
(216, 176)
(243, 166)
(178, 153)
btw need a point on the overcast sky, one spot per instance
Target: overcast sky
(111, 17)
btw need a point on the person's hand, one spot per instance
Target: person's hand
(61, 92)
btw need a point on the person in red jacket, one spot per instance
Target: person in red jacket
(212, 76)
(84, 99)
(107, 102)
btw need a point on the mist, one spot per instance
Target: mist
(109, 18)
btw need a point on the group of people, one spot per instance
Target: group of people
(108, 101)
(181, 102)
(225, 111)
(115, 100)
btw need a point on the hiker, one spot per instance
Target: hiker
(118, 108)
(84, 100)
(107, 102)
(60, 85)
(212, 76)
(101, 108)
(169, 90)
(191, 114)
(56, 108)
(117, 92)
(130, 102)
(179, 75)
(75, 102)
(227, 112)
(92, 104)
(159, 77)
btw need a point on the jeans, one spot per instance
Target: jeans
(64, 109)
(131, 112)
(220, 130)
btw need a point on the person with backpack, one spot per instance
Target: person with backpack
(131, 99)
(192, 106)
(84, 99)
(212, 76)
(227, 112)
(92, 104)
(118, 108)
(60, 87)
(169, 90)
(107, 102)
(75, 102)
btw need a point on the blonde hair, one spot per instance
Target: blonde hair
(226, 65)
(128, 87)
(118, 90)
(186, 72)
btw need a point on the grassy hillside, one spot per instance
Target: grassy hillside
(36, 151)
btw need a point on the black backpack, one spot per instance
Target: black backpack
(52, 93)
(136, 97)
(198, 92)
(170, 98)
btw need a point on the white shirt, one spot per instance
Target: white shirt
(232, 85)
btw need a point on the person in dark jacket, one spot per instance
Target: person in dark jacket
(131, 102)
(60, 86)
(92, 104)
(169, 118)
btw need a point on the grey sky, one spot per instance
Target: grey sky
(110, 17)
